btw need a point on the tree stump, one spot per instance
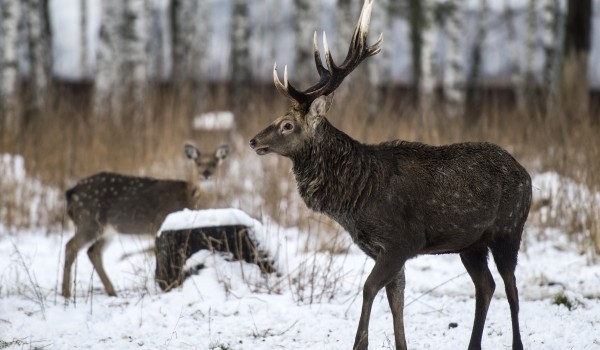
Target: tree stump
(175, 246)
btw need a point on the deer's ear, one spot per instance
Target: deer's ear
(319, 108)
(321, 105)
(191, 152)
(222, 152)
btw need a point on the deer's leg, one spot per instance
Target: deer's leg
(505, 256)
(395, 295)
(385, 269)
(95, 255)
(71, 249)
(476, 263)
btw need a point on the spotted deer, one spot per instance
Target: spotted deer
(400, 199)
(131, 205)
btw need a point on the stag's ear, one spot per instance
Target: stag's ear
(321, 105)
(319, 108)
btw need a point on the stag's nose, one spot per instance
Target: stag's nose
(253, 143)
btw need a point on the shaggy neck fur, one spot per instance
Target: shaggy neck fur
(336, 174)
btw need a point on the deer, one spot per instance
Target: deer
(107, 202)
(400, 199)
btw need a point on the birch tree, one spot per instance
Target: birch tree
(454, 69)
(529, 83)
(427, 79)
(513, 56)
(473, 94)
(305, 25)
(135, 35)
(107, 89)
(190, 27)
(83, 42)
(344, 23)
(574, 89)
(379, 70)
(9, 73)
(240, 55)
(550, 20)
(415, 19)
(39, 54)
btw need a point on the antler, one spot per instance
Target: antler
(332, 76)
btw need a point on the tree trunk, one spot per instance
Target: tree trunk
(344, 23)
(379, 69)
(527, 108)
(574, 89)
(83, 42)
(427, 80)
(39, 55)
(473, 98)
(9, 68)
(516, 77)
(415, 19)
(454, 70)
(134, 69)
(550, 20)
(306, 22)
(108, 91)
(240, 56)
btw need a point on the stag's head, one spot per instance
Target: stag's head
(288, 134)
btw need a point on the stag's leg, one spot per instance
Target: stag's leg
(95, 255)
(505, 256)
(385, 269)
(395, 294)
(82, 236)
(476, 263)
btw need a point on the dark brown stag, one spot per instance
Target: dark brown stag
(399, 199)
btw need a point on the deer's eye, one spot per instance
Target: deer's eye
(287, 126)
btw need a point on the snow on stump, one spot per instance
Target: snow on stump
(230, 231)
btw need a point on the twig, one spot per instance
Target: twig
(434, 288)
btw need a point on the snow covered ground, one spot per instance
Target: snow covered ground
(313, 303)
(222, 308)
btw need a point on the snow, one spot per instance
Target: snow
(229, 303)
(312, 302)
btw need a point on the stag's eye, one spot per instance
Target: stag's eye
(287, 126)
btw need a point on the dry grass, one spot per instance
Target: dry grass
(68, 144)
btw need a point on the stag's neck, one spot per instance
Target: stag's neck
(335, 173)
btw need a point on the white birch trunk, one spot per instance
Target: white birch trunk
(529, 82)
(83, 42)
(550, 20)
(240, 54)
(344, 22)
(454, 70)
(108, 89)
(39, 53)
(428, 38)
(513, 56)
(9, 72)
(473, 95)
(135, 67)
(379, 69)
(306, 23)
(185, 20)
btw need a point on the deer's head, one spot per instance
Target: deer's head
(206, 163)
(288, 134)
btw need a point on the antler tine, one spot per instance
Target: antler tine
(328, 59)
(287, 89)
(322, 70)
(332, 76)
